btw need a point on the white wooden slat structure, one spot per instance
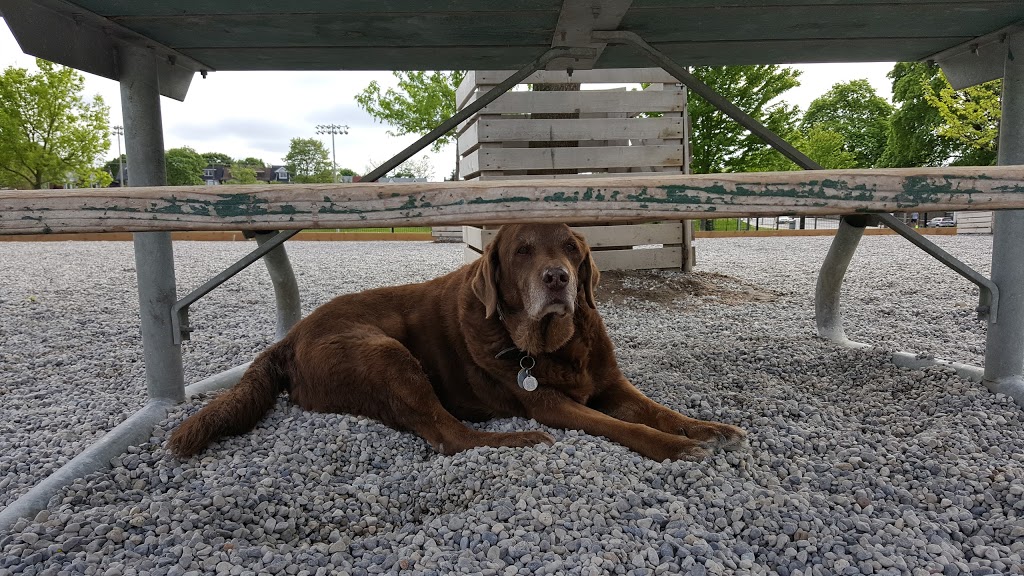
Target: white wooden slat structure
(973, 222)
(612, 135)
(612, 246)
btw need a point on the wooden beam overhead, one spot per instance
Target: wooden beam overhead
(577, 20)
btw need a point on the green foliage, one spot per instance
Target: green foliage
(913, 138)
(184, 167)
(346, 172)
(49, 133)
(935, 125)
(308, 161)
(970, 117)
(855, 112)
(422, 101)
(217, 158)
(414, 168)
(250, 161)
(242, 175)
(112, 166)
(827, 148)
(722, 145)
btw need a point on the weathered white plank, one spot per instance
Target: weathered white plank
(628, 259)
(621, 173)
(476, 237)
(598, 236)
(598, 76)
(468, 87)
(583, 157)
(639, 259)
(503, 130)
(632, 234)
(611, 199)
(974, 222)
(585, 101)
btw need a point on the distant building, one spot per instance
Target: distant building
(216, 174)
(120, 176)
(275, 173)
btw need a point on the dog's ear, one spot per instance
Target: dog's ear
(485, 281)
(589, 275)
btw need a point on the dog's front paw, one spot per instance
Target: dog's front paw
(670, 447)
(535, 437)
(716, 436)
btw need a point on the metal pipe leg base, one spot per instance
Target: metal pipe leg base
(1012, 387)
(827, 314)
(132, 432)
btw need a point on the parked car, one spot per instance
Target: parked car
(941, 223)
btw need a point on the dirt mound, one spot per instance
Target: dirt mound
(670, 287)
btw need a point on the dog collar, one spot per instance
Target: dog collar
(524, 378)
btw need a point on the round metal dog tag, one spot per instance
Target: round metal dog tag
(526, 380)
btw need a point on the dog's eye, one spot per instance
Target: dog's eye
(572, 247)
(523, 250)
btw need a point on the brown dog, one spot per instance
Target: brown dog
(425, 357)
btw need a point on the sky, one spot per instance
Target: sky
(256, 114)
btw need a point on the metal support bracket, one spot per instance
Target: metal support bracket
(834, 267)
(179, 311)
(988, 305)
(709, 94)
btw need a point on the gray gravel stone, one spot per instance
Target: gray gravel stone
(854, 465)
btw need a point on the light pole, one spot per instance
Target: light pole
(119, 130)
(332, 129)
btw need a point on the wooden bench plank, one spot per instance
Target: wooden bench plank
(589, 157)
(585, 101)
(596, 76)
(597, 236)
(612, 199)
(585, 129)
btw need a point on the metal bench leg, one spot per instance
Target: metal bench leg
(1004, 347)
(154, 266)
(286, 290)
(827, 313)
(154, 256)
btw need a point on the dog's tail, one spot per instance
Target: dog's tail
(238, 409)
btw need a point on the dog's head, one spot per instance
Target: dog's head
(537, 270)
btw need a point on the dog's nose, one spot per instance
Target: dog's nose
(556, 278)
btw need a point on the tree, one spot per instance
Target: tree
(913, 138)
(855, 112)
(308, 161)
(49, 133)
(217, 158)
(242, 175)
(414, 168)
(420, 167)
(422, 101)
(934, 125)
(971, 118)
(184, 167)
(113, 166)
(722, 145)
(250, 162)
(827, 148)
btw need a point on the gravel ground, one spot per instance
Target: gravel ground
(854, 466)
